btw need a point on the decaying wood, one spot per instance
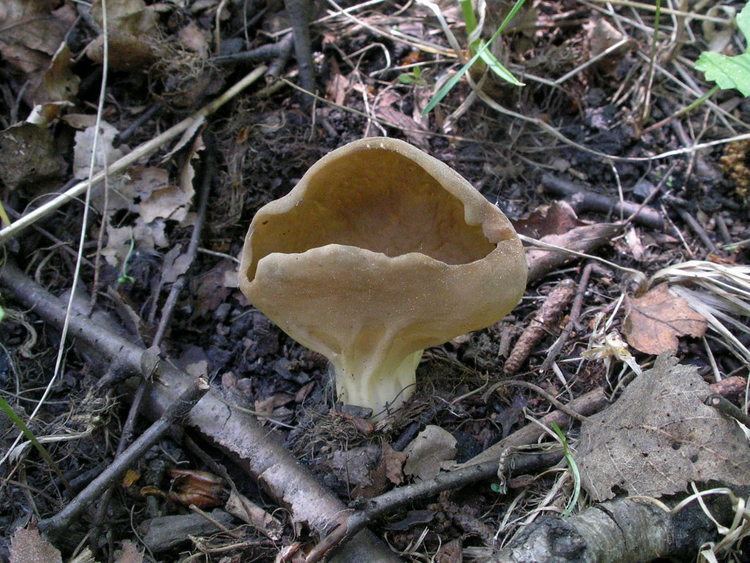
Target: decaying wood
(168, 532)
(547, 315)
(621, 530)
(235, 432)
(580, 239)
(586, 405)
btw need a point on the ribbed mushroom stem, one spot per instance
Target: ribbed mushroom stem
(376, 383)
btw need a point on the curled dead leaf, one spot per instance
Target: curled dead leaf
(655, 321)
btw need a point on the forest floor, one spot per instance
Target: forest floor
(593, 153)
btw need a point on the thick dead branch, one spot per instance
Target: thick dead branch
(235, 432)
(586, 405)
(621, 530)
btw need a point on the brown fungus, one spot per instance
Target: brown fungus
(378, 252)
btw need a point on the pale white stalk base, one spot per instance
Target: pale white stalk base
(385, 384)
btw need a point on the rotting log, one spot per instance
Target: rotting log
(235, 433)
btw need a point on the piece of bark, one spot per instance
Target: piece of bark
(542, 324)
(581, 239)
(168, 532)
(236, 433)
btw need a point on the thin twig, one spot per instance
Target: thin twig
(540, 325)
(727, 408)
(192, 251)
(575, 313)
(173, 415)
(385, 503)
(538, 390)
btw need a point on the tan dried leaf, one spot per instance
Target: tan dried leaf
(394, 464)
(28, 546)
(106, 153)
(659, 436)
(129, 553)
(656, 320)
(428, 451)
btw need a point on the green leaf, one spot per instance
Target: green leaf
(2, 314)
(727, 72)
(730, 72)
(448, 86)
(407, 78)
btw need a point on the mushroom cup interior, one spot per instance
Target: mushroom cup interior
(379, 200)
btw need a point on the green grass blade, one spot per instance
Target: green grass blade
(573, 470)
(21, 425)
(448, 86)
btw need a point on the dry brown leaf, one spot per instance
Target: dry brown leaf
(161, 199)
(31, 32)
(57, 83)
(415, 132)
(210, 289)
(337, 89)
(394, 464)
(659, 436)
(29, 158)
(355, 466)
(133, 36)
(28, 546)
(656, 320)
(553, 219)
(175, 264)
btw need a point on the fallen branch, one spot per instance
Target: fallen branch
(385, 503)
(236, 433)
(583, 200)
(580, 239)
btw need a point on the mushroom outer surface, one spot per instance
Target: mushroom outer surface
(378, 252)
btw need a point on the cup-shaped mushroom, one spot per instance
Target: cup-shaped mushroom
(378, 252)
